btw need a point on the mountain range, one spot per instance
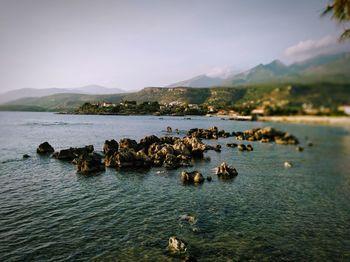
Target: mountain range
(32, 92)
(320, 80)
(334, 68)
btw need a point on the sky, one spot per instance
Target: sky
(133, 44)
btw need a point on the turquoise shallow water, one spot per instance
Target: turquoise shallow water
(50, 213)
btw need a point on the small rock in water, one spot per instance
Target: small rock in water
(250, 148)
(190, 218)
(26, 156)
(226, 171)
(287, 164)
(299, 148)
(192, 177)
(310, 143)
(176, 244)
(209, 178)
(242, 147)
(169, 129)
(231, 145)
(45, 148)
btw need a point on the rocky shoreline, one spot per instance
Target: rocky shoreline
(170, 152)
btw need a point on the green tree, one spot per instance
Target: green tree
(340, 11)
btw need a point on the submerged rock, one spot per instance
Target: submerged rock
(188, 217)
(45, 148)
(194, 177)
(299, 148)
(232, 145)
(287, 165)
(26, 156)
(209, 178)
(225, 171)
(177, 245)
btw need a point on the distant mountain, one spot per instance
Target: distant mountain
(199, 81)
(32, 92)
(333, 68)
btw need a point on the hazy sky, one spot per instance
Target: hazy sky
(132, 44)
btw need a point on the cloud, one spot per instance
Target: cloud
(222, 71)
(310, 48)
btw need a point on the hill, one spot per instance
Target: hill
(32, 92)
(281, 95)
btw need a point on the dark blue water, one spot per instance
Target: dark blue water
(268, 212)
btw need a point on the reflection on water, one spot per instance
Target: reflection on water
(48, 212)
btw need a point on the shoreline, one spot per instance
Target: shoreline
(324, 120)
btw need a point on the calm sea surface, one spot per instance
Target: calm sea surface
(50, 213)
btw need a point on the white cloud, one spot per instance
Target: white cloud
(310, 48)
(222, 71)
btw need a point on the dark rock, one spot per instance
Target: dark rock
(45, 148)
(73, 152)
(310, 143)
(110, 147)
(128, 143)
(231, 145)
(299, 148)
(242, 147)
(171, 161)
(250, 148)
(90, 163)
(209, 178)
(192, 177)
(147, 141)
(26, 156)
(225, 171)
(169, 129)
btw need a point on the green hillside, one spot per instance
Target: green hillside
(281, 95)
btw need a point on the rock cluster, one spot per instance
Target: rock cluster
(225, 171)
(267, 134)
(210, 133)
(170, 152)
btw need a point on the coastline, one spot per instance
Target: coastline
(324, 120)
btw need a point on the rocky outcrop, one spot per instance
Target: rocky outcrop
(45, 148)
(210, 133)
(194, 177)
(73, 152)
(90, 163)
(110, 147)
(128, 143)
(225, 171)
(267, 134)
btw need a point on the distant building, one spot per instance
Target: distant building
(258, 111)
(211, 109)
(193, 106)
(222, 112)
(345, 109)
(107, 104)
